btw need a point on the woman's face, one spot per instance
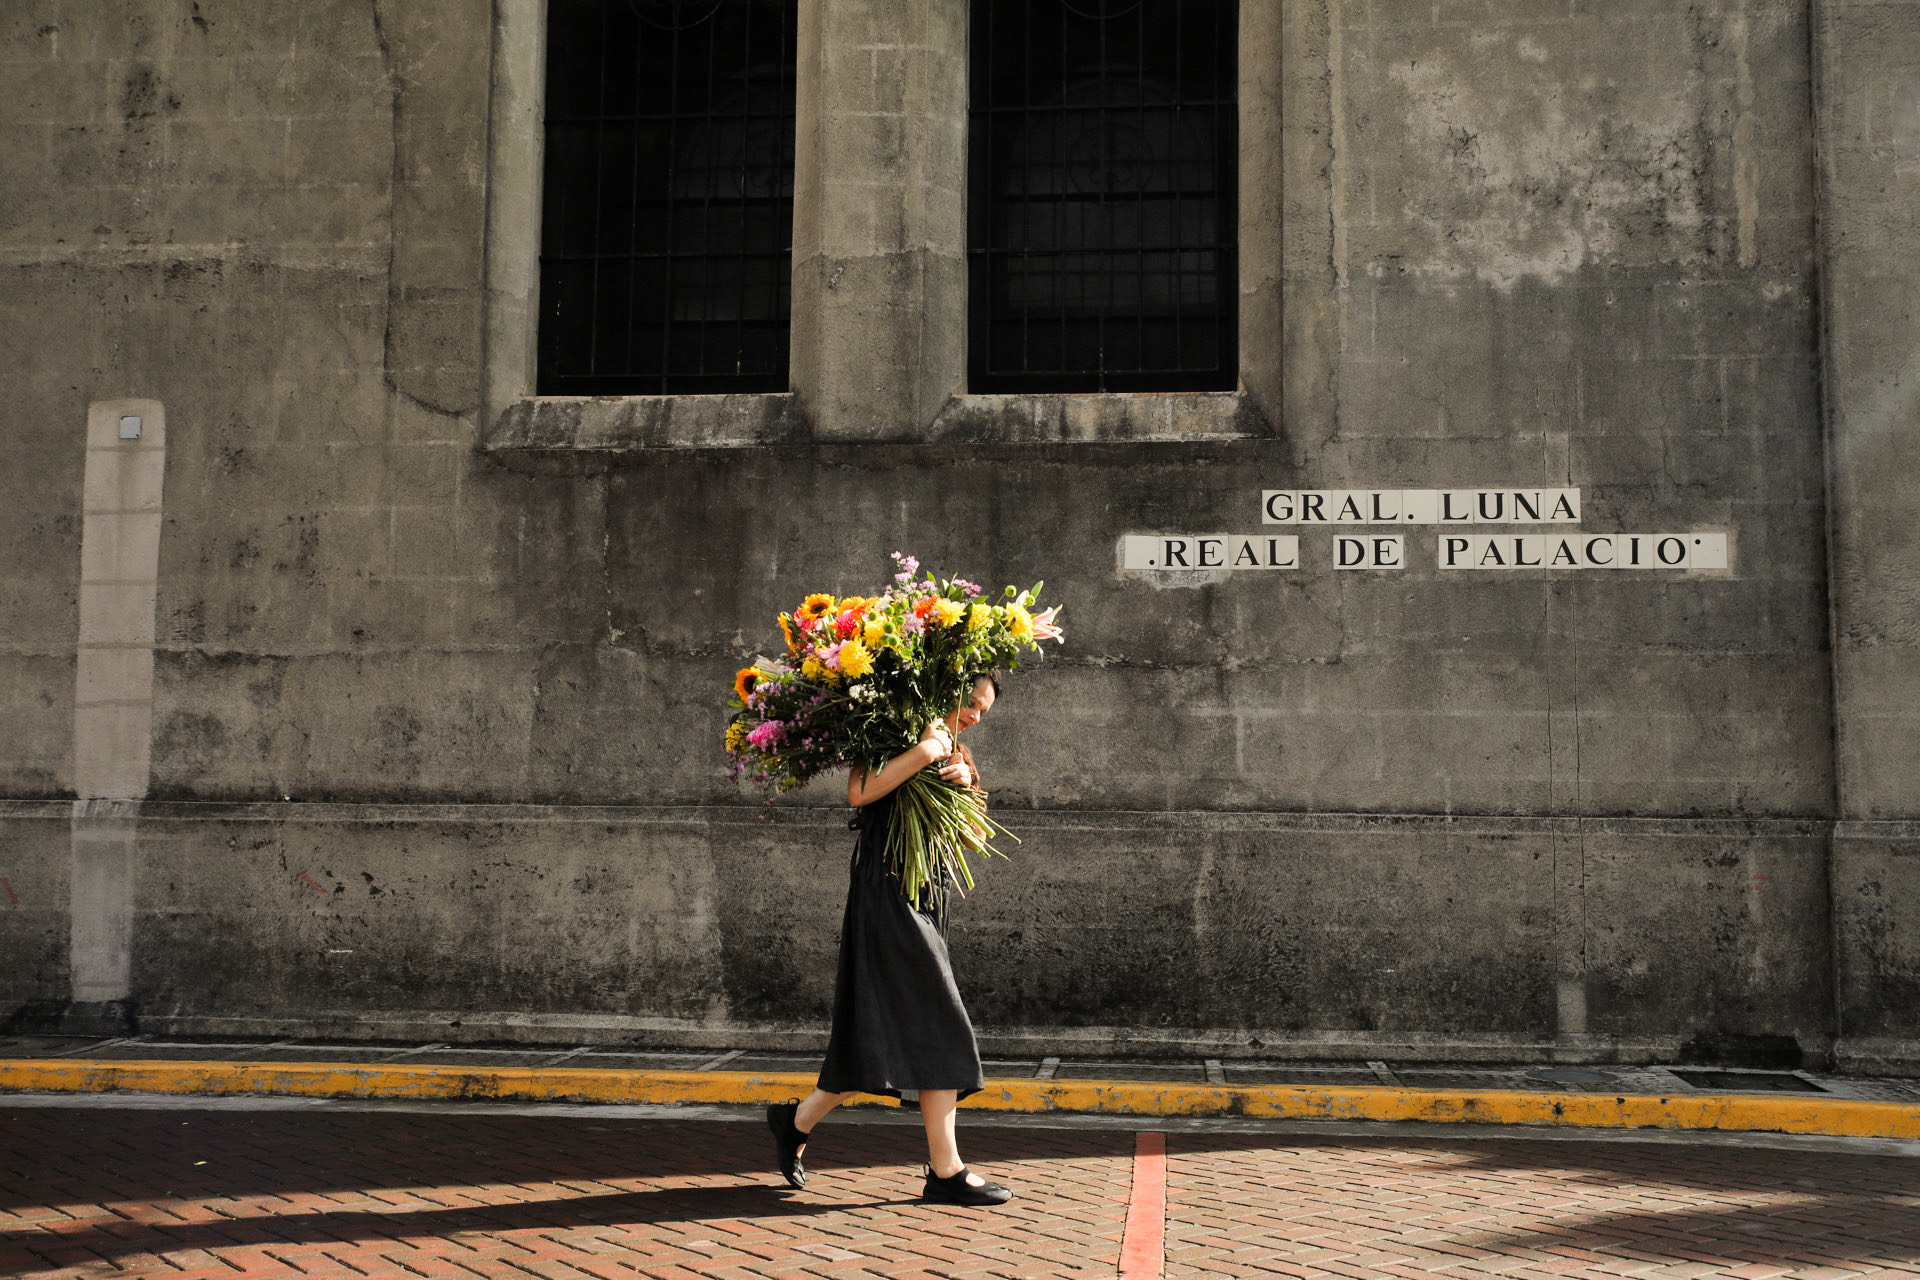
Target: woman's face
(978, 705)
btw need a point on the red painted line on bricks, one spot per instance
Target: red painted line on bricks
(1143, 1249)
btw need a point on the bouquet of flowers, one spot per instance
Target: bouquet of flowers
(861, 680)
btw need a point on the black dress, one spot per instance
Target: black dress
(898, 1023)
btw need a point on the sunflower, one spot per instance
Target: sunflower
(813, 608)
(786, 629)
(743, 681)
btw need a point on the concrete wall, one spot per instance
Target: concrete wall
(439, 668)
(1870, 170)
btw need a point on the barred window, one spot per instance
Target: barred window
(667, 231)
(1102, 218)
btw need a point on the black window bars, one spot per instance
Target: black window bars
(1102, 217)
(667, 224)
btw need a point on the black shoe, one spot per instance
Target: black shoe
(957, 1190)
(787, 1141)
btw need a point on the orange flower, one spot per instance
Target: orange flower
(923, 606)
(786, 629)
(743, 681)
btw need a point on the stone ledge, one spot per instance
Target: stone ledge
(1112, 418)
(1863, 829)
(615, 425)
(804, 1036)
(1184, 820)
(629, 424)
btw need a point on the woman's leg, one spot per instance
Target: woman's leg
(815, 1108)
(937, 1110)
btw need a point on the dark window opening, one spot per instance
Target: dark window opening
(1102, 214)
(667, 226)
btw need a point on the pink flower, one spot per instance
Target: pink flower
(766, 732)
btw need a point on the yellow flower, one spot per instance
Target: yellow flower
(736, 734)
(855, 661)
(786, 629)
(876, 633)
(979, 618)
(743, 681)
(946, 612)
(1019, 623)
(814, 669)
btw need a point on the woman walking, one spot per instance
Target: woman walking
(899, 1026)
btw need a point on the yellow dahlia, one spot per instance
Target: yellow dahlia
(814, 669)
(979, 618)
(875, 634)
(1019, 622)
(855, 661)
(743, 681)
(946, 612)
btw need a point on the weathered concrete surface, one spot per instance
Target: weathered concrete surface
(1870, 169)
(1115, 930)
(37, 866)
(1517, 247)
(879, 267)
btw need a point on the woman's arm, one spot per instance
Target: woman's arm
(864, 786)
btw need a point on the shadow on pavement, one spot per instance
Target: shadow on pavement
(114, 1184)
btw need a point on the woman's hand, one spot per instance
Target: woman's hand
(1044, 627)
(955, 771)
(937, 740)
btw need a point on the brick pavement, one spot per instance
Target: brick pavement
(1376, 1207)
(454, 1194)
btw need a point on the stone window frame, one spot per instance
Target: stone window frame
(879, 230)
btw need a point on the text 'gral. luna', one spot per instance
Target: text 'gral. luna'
(1561, 549)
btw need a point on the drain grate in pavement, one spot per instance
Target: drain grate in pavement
(1180, 1072)
(475, 1058)
(1571, 1075)
(143, 1051)
(1747, 1081)
(1325, 1077)
(1415, 1079)
(772, 1063)
(639, 1061)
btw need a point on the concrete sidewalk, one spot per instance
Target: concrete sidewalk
(1681, 1098)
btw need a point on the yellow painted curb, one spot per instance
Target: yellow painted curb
(1834, 1117)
